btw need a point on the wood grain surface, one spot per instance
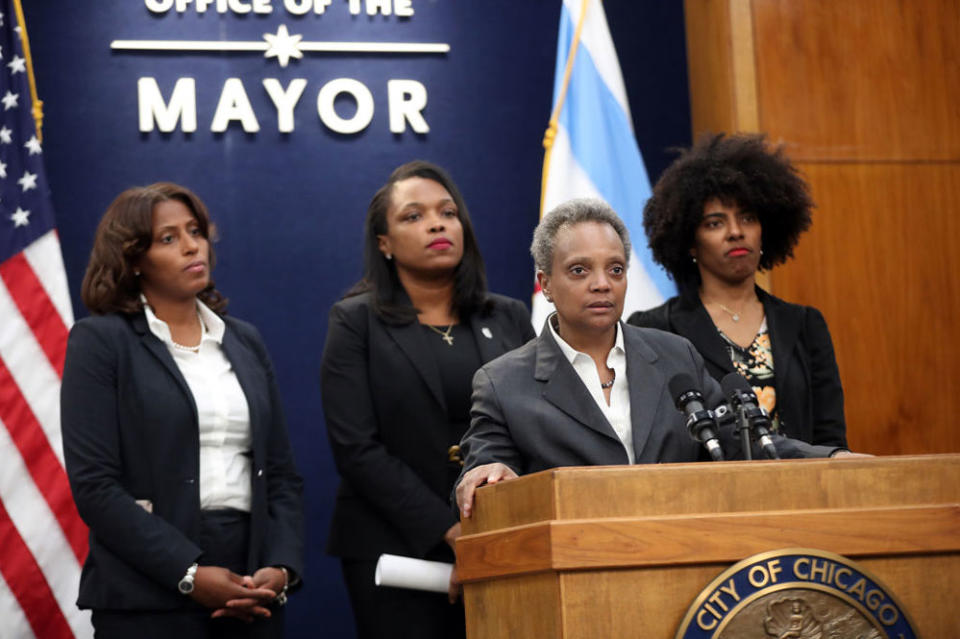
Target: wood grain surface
(626, 550)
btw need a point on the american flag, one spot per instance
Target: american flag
(43, 542)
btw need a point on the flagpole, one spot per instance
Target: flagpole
(37, 104)
(551, 133)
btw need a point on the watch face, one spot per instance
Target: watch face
(185, 586)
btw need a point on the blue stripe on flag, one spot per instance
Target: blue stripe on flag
(604, 146)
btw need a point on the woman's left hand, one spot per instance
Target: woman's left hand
(247, 608)
(454, 589)
(270, 577)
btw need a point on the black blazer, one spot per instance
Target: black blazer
(387, 422)
(130, 433)
(531, 411)
(807, 381)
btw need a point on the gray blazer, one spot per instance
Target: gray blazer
(531, 411)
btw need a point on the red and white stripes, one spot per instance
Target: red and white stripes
(43, 542)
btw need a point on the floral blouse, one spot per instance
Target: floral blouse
(755, 363)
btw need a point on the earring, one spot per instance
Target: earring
(694, 259)
(136, 272)
(389, 256)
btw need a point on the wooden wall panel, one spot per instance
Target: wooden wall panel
(881, 262)
(860, 79)
(708, 30)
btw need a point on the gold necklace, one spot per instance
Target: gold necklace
(444, 335)
(734, 316)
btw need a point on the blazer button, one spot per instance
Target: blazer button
(260, 473)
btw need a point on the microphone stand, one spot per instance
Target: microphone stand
(743, 429)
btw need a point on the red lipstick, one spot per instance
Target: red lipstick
(440, 244)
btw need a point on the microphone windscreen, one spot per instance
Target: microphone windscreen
(734, 382)
(680, 384)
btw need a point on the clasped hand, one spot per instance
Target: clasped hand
(244, 597)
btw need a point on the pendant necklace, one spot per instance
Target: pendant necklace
(444, 335)
(733, 315)
(610, 383)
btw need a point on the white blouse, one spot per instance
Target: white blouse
(618, 411)
(222, 412)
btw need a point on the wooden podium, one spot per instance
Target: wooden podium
(620, 551)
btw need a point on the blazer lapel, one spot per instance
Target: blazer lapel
(564, 388)
(409, 337)
(646, 386)
(489, 337)
(691, 320)
(159, 350)
(784, 328)
(251, 384)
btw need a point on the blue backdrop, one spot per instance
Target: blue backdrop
(290, 206)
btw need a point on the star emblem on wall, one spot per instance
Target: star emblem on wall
(282, 45)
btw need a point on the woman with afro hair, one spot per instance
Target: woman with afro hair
(724, 209)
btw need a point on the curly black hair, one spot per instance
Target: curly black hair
(738, 169)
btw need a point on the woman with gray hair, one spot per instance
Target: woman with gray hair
(589, 390)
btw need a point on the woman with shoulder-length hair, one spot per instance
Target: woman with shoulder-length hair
(726, 208)
(174, 437)
(401, 350)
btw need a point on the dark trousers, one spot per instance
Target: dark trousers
(398, 613)
(224, 538)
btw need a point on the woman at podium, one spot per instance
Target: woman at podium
(401, 350)
(590, 390)
(726, 208)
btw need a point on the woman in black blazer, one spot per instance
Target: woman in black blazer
(400, 354)
(174, 437)
(722, 210)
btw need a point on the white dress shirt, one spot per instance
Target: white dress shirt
(618, 411)
(222, 412)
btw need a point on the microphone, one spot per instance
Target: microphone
(700, 422)
(754, 418)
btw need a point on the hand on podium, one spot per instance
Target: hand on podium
(476, 477)
(839, 454)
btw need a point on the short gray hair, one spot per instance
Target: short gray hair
(570, 213)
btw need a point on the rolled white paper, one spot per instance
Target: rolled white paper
(416, 574)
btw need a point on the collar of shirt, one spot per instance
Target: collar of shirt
(211, 324)
(571, 353)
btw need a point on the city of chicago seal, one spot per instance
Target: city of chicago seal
(796, 593)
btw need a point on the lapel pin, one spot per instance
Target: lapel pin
(486, 332)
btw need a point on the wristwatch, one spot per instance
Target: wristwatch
(186, 584)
